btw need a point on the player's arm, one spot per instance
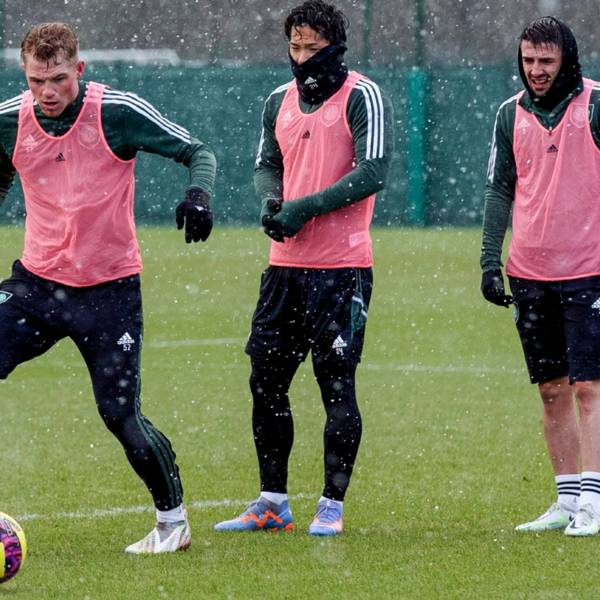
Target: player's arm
(595, 116)
(132, 124)
(268, 169)
(499, 197)
(7, 174)
(9, 121)
(370, 117)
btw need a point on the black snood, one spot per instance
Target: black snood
(322, 74)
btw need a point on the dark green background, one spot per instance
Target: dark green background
(445, 126)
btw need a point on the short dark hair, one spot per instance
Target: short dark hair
(48, 41)
(325, 19)
(546, 30)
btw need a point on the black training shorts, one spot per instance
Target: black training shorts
(104, 321)
(319, 310)
(559, 326)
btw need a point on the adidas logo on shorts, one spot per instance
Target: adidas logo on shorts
(126, 341)
(338, 345)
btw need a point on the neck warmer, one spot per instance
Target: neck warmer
(568, 78)
(322, 74)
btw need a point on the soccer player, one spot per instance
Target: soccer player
(74, 143)
(545, 165)
(323, 154)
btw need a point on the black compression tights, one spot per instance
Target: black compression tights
(273, 426)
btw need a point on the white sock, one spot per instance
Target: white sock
(274, 497)
(590, 490)
(569, 487)
(171, 516)
(338, 502)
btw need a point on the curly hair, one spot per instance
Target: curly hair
(50, 41)
(324, 18)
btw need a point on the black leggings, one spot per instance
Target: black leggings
(273, 425)
(105, 322)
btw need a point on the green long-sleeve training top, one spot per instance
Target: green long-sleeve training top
(367, 178)
(130, 124)
(502, 170)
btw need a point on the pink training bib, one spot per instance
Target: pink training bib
(317, 151)
(556, 212)
(79, 227)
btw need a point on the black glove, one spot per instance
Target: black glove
(492, 288)
(195, 212)
(273, 229)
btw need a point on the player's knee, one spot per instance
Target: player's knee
(326, 369)
(269, 380)
(115, 415)
(259, 384)
(555, 392)
(588, 396)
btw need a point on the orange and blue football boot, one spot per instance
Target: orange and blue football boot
(261, 515)
(328, 519)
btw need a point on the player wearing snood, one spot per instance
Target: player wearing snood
(545, 167)
(323, 154)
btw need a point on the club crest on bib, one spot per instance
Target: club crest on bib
(88, 135)
(579, 116)
(330, 114)
(286, 118)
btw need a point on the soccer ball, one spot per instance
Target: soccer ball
(13, 547)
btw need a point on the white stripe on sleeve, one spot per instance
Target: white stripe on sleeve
(375, 118)
(261, 142)
(145, 109)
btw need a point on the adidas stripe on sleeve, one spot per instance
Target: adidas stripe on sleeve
(261, 142)
(375, 119)
(11, 105)
(494, 149)
(144, 108)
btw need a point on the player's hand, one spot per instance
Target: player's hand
(195, 213)
(291, 218)
(270, 207)
(492, 288)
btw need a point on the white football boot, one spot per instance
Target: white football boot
(585, 523)
(165, 537)
(556, 517)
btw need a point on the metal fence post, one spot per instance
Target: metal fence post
(417, 123)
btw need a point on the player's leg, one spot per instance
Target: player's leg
(272, 421)
(111, 346)
(276, 347)
(273, 429)
(561, 426)
(27, 319)
(582, 317)
(341, 439)
(341, 306)
(539, 317)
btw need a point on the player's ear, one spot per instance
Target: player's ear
(80, 67)
(23, 62)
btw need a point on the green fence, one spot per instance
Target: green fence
(443, 116)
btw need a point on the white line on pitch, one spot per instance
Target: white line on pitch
(419, 368)
(238, 341)
(439, 368)
(198, 342)
(100, 513)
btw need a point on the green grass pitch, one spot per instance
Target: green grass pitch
(452, 454)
